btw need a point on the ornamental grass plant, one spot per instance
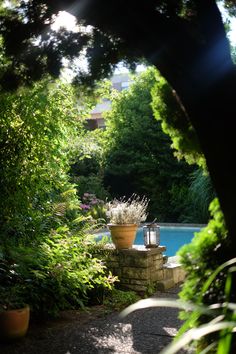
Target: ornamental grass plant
(130, 211)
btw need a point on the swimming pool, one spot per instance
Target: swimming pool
(173, 237)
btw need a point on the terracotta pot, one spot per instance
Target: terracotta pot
(123, 236)
(14, 323)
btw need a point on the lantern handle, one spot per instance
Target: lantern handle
(152, 223)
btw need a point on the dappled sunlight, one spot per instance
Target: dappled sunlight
(171, 331)
(65, 20)
(117, 335)
(144, 331)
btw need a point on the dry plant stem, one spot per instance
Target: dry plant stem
(131, 211)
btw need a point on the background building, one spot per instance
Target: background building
(119, 82)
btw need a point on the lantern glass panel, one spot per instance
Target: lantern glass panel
(151, 235)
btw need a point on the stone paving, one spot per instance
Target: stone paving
(144, 331)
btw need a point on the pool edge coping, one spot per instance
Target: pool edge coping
(105, 229)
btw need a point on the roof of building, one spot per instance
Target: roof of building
(101, 107)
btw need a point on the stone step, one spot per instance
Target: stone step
(174, 271)
(165, 284)
(168, 272)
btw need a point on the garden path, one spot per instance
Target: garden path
(144, 331)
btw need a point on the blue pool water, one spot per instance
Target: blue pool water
(172, 237)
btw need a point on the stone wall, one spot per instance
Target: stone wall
(140, 268)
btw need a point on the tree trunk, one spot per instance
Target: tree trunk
(212, 112)
(214, 121)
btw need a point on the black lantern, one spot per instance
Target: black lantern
(151, 233)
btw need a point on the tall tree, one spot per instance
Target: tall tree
(138, 157)
(185, 40)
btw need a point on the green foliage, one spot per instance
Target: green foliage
(92, 184)
(58, 273)
(213, 325)
(88, 156)
(200, 259)
(118, 299)
(107, 43)
(37, 129)
(87, 169)
(151, 289)
(200, 195)
(179, 201)
(193, 199)
(138, 156)
(175, 122)
(12, 288)
(180, 27)
(197, 257)
(43, 234)
(94, 207)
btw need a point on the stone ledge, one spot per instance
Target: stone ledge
(142, 250)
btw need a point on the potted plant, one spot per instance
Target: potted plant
(14, 313)
(124, 218)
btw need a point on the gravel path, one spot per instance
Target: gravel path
(144, 331)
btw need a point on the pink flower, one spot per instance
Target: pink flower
(84, 206)
(94, 201)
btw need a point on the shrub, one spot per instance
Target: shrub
(118, 299)
(59, 273)
(36, 130)
(90, 184)
(199, 197)
(42, 231)
(94, 207)
(200, 259)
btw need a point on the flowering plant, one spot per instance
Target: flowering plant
(131, 211)
(93, 206)
(89, 201)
